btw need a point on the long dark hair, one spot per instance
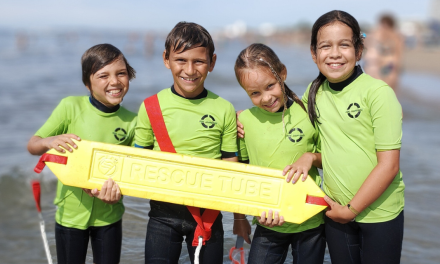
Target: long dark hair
(259, 55)
(326, 19)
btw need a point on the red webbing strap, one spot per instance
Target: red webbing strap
(316, 200)
(204, 222)
(50, 158)
(37, 191)
(158, 124)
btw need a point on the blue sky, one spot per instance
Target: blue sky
(163, 15)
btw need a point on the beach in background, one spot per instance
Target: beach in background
(39, 68)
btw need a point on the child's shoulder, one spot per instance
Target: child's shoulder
(127, 112)
(371, 82)
(252, 112)
(76, 102)
(75, 99)
(217, 98)
(374, 87)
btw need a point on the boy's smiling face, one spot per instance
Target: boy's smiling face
(110, 84)
(189, 70)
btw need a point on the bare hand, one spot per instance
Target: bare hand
(240, 128)
(242, 227)
(338, 213)
(271, 220)
(63, 142)
(301, 166)
(110, 192)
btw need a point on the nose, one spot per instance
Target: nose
(190, 69)
(114, 80)
(267, 98)
(335, 52)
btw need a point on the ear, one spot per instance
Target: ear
(359, 55)
(313, 55)
(165, 60)
(212, 63)
(283, 74)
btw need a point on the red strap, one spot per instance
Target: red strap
(37, 191)
(50, 158)
(158, 124)
(204, 222)
(316, 200)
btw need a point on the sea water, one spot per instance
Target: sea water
(38, 69)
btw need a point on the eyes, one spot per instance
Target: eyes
(327, 46)
(104, 76)
(183, 61)
(268, 88)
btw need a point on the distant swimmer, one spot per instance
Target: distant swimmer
(383, 56)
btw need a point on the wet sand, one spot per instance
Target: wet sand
(422, 60)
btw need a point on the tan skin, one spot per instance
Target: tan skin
(190, 69)
(336, 56)
(265, 92)
(109, 86)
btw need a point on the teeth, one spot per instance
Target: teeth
(114, 92)
(335, 64)
(188, 79)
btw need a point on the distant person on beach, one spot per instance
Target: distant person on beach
(383, 52)
(82, 213)
(279, 135)
(199, 123)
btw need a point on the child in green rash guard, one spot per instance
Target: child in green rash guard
(83, 213)
(199, 123)
(359, 120)
(278, 133)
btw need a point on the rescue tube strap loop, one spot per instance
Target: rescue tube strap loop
(46, 157)
(316, 200)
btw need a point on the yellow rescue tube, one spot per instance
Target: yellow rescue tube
(187, 180)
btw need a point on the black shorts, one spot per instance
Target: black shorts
(169, 225)
(72, 243)
(366, 243)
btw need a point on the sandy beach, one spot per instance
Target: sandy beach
(422, 60)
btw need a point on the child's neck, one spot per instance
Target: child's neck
(341, 85)
(101, 107)
(201, 95)
(288, 104)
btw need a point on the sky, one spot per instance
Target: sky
(212, 14)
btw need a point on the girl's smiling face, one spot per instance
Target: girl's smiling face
(263, 88)
(335, 53)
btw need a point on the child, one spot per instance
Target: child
(360, 124)
(199, 123)
(98, 117)
(278, 132)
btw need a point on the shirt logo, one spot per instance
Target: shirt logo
(354, 110)
(295, 135)
(120, 134)
(208, 121)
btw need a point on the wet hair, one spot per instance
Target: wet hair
(261, 56)
(388, 20)
(357, 39)
(99, 56)
(187, 35)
